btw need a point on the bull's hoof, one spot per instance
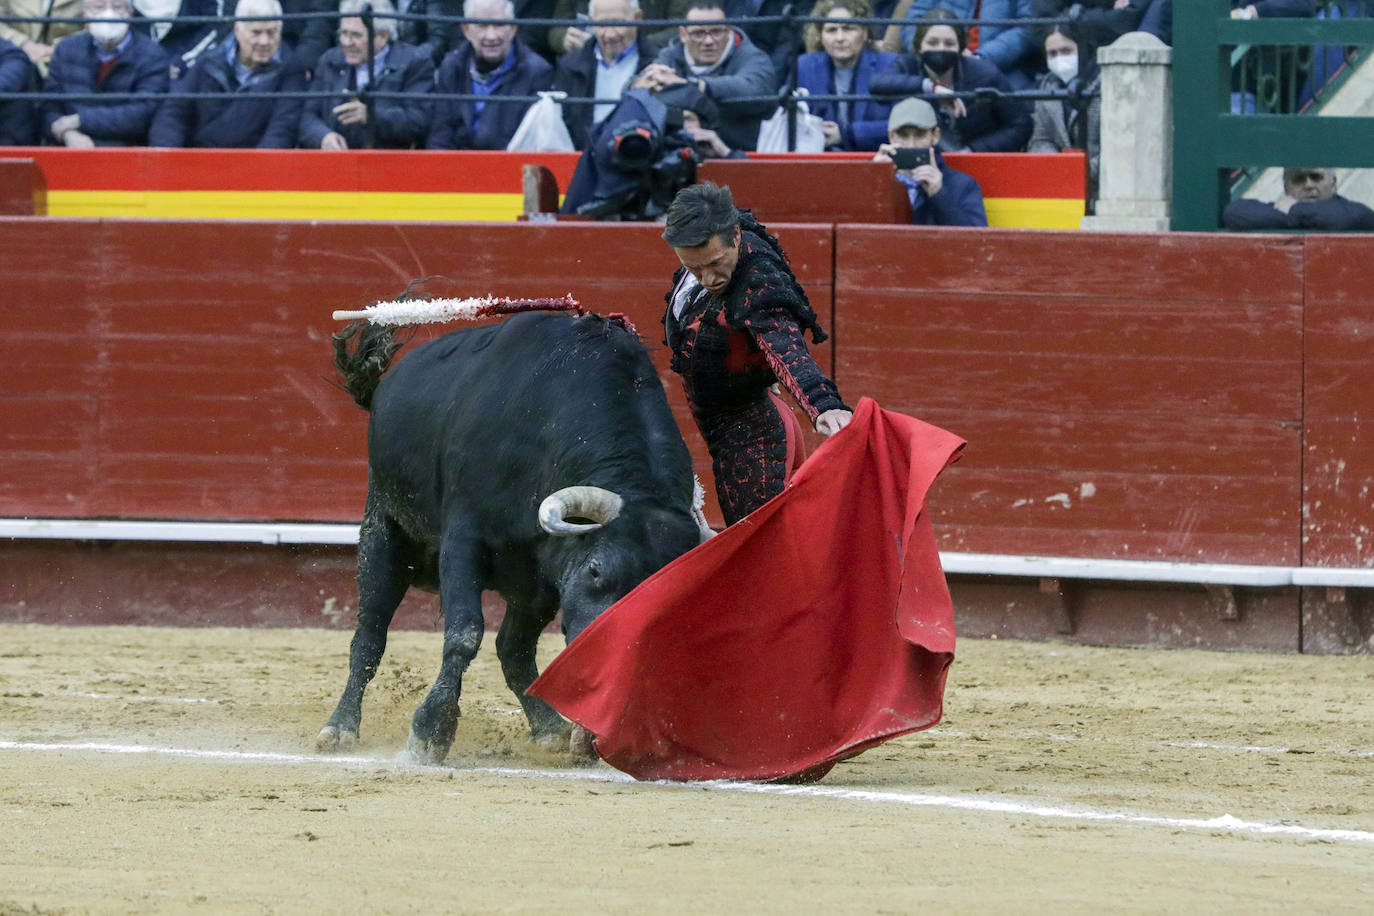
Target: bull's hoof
(582, 743)
(424, 751)
(333, 739)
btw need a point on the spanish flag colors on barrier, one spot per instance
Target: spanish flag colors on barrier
(1019, 190)
(817, 626)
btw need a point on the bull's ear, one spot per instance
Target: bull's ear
(597, 504)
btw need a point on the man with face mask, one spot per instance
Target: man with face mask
(1309, 201)
(250, 59)
(107, 57)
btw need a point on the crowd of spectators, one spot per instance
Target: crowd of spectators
(724, 78)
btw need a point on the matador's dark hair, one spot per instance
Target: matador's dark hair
(698, 213)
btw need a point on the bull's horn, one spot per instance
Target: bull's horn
(595, 503)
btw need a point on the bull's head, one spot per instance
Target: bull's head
(597, 563)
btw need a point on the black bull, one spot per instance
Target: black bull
(537, 458)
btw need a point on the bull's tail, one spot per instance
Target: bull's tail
(361, 365)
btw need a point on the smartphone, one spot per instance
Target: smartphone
(909, 157)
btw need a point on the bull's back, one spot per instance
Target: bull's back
(480, 407)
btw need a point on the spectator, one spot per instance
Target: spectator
(1059, 124)
(309, 38)
(565, 40)
(36, 39)
(844, 66)
(336, 118)
(492, 62)
(602, 68)
(534, 37)
(709, 66)
(706, 142)
(1309, 201)
(433, 37)
(182, 42)
(939, 195)
(1158, 19)
(107, 57)
(250, 59)
(18, 125)
(1010, 47)
(1000, 125)
(1097, 22)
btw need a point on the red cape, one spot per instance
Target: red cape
(818, 626)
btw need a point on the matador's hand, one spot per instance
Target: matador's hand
(832, 421)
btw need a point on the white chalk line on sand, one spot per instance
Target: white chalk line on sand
(1225, 822)
(1204, 745)
(936, 732)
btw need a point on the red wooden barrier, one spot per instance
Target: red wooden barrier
(184, 371)
(1123, 396)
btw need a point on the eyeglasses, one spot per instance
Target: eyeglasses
(701, 34)
(110, 6)
(1301, 177)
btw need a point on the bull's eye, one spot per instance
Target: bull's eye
(594, 571)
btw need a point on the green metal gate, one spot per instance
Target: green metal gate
(1210, 141)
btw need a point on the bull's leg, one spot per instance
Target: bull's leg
(383, 577)
(460, 590)
(515, 646)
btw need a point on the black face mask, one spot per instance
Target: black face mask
(939, 61)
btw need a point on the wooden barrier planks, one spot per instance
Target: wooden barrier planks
(185, 370)
(1122, 396)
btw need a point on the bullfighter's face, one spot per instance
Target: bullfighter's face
(713, 264)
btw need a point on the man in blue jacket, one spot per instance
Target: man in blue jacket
(17, 74)
(107, 57)
(250, 59)
(939, 195)
(338, 117)
(493, 63)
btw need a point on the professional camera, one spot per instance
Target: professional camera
(637, 160)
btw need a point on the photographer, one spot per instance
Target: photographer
(940, 195)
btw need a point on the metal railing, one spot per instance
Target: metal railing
(787, 97)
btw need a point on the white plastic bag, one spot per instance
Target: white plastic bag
(810, 134)
(542, 129)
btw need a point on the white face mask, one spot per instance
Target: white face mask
(108, 31)
(1065, 66)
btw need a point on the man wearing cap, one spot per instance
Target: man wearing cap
(1309, 201)
(940, 195)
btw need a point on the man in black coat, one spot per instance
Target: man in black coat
(107, 57)
(18, 124)
(250, 59)
(1309, 201)
(493, 63)
(338, 118)
(603, 67)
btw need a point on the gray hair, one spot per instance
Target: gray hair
(380, 20)
(258, 8)
(469, 4)
(700, 212)
(632, 4)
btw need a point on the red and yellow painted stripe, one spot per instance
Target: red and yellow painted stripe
(1020, 190)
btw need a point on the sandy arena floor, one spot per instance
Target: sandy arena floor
(152, 770)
